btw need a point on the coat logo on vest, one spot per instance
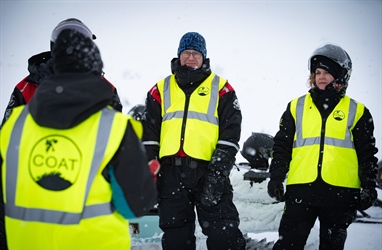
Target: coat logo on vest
(338, 115)
(203, 91)
(54, 162)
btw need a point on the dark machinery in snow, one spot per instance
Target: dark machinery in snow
(257, 150)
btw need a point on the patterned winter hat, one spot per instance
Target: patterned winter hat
(74, 52)
(194, 41)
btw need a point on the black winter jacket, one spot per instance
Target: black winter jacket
(40, 67)
(188, 80)
(320, 193)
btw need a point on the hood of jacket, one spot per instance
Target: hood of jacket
(64, 100)
(40, 67)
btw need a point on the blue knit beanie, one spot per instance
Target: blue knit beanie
(194, 41)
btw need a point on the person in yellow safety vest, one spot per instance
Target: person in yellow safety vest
(326, 148)
(73, 169)
(192, 124)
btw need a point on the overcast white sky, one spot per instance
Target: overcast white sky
(261, 47)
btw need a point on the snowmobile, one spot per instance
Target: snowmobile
(137, 111)
(257, 150)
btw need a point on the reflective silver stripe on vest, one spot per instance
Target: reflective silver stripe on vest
(221, 142)
(53, 216)
(209, 117)
(300, 142)
(150, 143)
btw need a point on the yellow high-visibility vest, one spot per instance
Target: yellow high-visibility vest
(340, 162)
(54, 193)
(199, 119)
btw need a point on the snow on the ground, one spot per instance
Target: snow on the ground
(260, 219)
(260, 216)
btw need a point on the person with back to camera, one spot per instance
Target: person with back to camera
(192, 124)
(326, 145)
(73, 176)
(39, 67)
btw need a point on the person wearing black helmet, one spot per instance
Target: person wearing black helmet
(76, 168)
(326, 148)
(40, 67)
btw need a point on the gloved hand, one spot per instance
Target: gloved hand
(276, 190)
(368, 196)
(217, 177)
(213, 189)
(154, 166)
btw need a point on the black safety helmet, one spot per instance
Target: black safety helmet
(137, 111)
(73, 24)
(337, 55)
(257, 150)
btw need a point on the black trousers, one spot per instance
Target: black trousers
(298, 219)
(179, 189)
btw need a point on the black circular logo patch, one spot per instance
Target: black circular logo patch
(203, 91)
(54, 162)
(338, 115)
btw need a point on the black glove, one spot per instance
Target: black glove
(368, 196)
(213, 189)
(217, 177)
(276, 190)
